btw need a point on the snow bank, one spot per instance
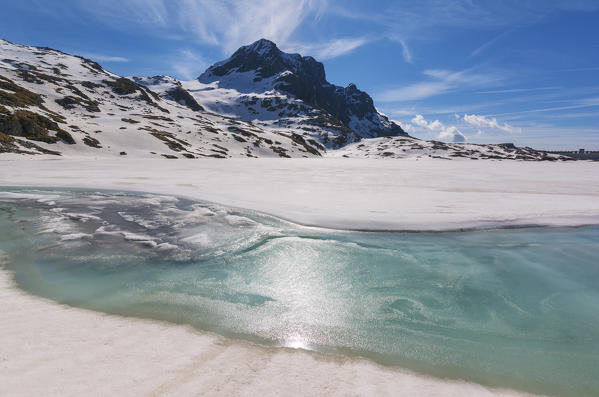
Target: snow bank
(368, 194)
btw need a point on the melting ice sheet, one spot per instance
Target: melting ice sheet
(512, 308)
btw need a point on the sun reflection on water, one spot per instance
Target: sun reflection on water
(297, 343)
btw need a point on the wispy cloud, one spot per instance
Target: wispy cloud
(329, 49)
(579, 104)
(104, 58)
(231, 24)
(516, 90)
(490, 42)
(405, 50)
(189, 64)
(588, 69)
(439, 82)
(556, 99)
(428, 17)
(414, 92)
(227, 24)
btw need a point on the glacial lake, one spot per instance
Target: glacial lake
(515, 308)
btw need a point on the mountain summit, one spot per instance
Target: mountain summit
(303, 78)
(264, 57)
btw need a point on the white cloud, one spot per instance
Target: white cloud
(407, 127)
(433, 126)
(482, 122)
(446, 133)
(452, 134)
(104, 58)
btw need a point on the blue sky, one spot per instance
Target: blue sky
(520, 71)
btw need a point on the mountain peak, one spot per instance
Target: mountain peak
(265, 59)
(261, 47)
(262, 66)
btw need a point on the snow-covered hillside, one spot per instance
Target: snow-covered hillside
(55, 103)
(260, 102)
(403, 147)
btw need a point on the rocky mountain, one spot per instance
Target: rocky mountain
(260, 102)
(295, 86)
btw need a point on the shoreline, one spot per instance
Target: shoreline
(348, 194)
(567, 224)
(116, 354)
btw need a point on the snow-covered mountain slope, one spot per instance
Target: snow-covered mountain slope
(55, 103)
(404, 147)
(260, 82)
(261, 102)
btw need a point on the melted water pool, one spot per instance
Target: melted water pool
(512, 308)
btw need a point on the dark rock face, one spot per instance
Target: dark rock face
(183, 97)
(122, 86)
(264, 57)
(23, 123)
(176, 93)
(70, 102)
(14, 95)
(305, 79)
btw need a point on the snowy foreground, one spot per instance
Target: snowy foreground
(52, 349)
(366, 194)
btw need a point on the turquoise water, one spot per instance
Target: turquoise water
(514, 308)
